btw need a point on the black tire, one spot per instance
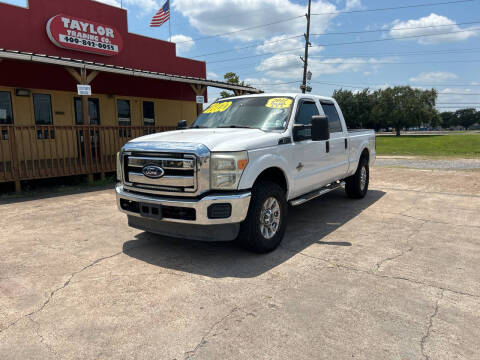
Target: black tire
(251, 236)
(353, 184)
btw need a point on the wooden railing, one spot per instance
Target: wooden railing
(36, 152)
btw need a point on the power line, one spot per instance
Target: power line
(245, 29)
(397, 29)
(367, 55)
(332, 33)
(344, 43)
(395, 38)
(394, 8)
(329, 13)
(365, 86)
(247, 47)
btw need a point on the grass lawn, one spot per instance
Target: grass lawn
(467, 146)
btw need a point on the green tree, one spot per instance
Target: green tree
(403, 107)
(466, 117)
(448, 119)
(231, 78)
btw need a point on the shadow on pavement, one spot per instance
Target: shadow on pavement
(307, 224)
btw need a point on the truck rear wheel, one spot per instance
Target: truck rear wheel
(266, 222)
(357, 185)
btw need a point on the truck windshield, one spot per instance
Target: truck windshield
(265, 112)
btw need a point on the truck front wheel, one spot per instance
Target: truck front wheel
(357, 185)
(265, 225)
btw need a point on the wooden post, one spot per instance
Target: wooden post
(85, 79)
(199, 90)
(84, 98)
(18, 186)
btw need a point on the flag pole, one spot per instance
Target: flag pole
(170, 26)
(170, 29)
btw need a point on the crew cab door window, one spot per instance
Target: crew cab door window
(333, 119)
(304, 117)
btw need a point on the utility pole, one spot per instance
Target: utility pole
(307, 45)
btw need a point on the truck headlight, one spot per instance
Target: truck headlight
(226, 169)
(119, 168)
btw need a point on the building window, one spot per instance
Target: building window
(6, 114)
(333, 119)
(148, 113)
(93, 111)
(123, 112)
(42, 106)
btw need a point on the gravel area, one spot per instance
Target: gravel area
(418, 163)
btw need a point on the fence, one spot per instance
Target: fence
(37, 152)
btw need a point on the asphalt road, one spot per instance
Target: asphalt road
(393, 276)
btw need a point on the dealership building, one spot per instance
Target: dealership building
(138, 86)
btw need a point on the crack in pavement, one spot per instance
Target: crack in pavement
(429, 328)
(391, 258)
(409, 249)
(42, 339)
(428, 192)
(368, 272)
(52, 294)
(430, 221)
(190, 354)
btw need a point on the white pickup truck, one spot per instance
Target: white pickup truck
(232, 174)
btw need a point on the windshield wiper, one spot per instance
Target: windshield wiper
(197, 127)
(235, 127)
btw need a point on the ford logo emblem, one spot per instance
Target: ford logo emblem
(153, 172)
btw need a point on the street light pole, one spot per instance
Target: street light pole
(307, 45)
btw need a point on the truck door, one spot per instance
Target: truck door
(308, 159)
(338, 144)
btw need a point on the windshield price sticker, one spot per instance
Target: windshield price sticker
(218, 107)
(279, 103)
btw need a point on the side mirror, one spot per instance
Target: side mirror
(320, 128)
(182, 124)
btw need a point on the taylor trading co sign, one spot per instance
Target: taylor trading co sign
(72, 33)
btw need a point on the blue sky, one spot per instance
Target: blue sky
(267, 57)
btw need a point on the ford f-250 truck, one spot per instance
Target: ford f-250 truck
(234, 171)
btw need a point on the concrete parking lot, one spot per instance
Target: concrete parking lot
(393, 276)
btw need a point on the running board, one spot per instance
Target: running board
(316, 193)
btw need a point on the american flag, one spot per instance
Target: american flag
(162, 16)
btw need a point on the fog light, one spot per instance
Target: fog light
(219, 211)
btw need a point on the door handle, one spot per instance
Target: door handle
(328, 146)
(346, 144)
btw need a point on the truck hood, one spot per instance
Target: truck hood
(217, 139)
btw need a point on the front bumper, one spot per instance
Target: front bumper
(239, 206)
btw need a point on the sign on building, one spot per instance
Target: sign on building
(200, 100)
(72, 33)
(84, 90)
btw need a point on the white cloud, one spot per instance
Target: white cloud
(212, 75)
(213, 17)
(353, 4)
(110, 2)
(291, 67)
(146, 6)
(448, 97)
(185, 43)
(435, 76)
(271, 85)
(414, 28)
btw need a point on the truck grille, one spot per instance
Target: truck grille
(179, 175)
